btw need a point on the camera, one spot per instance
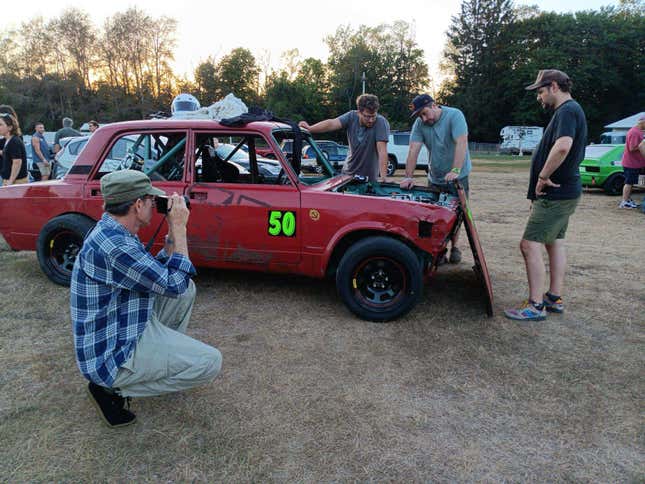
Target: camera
(162, 204)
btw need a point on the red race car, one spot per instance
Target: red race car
(287, 215)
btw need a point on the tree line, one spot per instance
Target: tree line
(67, 66)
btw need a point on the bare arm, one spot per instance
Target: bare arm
(411, 163)
(177, 220)
(322, 126)
(381, 148)
(15, 169)
(35, 144)
(558, 153)
(461, 145)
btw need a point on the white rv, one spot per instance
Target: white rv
(520, 139)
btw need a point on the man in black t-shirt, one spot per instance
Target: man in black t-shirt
(554, 191)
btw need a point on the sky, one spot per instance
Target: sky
(215, 28)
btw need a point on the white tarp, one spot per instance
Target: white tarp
(228, 107)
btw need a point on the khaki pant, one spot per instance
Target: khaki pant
(165, 360)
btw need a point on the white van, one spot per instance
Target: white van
(613, 137)
(520, 139)
(398, 146)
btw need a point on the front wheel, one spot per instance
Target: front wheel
(58, 244)
(379, 279)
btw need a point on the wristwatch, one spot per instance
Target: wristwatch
(456, 170)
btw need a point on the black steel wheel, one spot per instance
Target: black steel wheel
(379, 279)
(58, 244)
(614, 184)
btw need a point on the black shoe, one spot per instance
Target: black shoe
(110, 406)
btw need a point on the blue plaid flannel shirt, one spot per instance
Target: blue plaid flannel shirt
(114, 281)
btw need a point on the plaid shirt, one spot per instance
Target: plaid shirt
(112, 293)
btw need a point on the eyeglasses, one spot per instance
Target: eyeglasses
(5, 115)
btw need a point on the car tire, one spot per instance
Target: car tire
(391, 165)
(58, 244)
(614, 184)
(379, 279)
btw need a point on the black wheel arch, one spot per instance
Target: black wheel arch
(78, 225)
(351, 238)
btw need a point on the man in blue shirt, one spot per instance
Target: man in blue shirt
(130, 310)
(444, 132)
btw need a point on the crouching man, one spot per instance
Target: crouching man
(130, 310)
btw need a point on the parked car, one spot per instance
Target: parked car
(379, 242)
(66, 156)
(602, 168)
(335, 152)
(267, 167)
(398, 146)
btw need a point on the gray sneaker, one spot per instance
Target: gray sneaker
(455, 256)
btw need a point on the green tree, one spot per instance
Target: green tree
(475, 55)
(391, 60)
(238, 73)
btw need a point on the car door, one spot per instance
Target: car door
(240, 219)
(160, 154)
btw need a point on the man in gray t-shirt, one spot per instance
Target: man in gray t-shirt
(367, 134)
(444, 132)
(65, 132)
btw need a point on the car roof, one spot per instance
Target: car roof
(170, 123)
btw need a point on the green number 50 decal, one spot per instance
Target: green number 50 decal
(282, 223)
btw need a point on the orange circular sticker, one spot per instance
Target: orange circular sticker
(314, 215)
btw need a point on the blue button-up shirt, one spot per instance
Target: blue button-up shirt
(112, 294)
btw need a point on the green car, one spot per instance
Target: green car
(602, 168)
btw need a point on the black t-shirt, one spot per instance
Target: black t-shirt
(13, 150)
(568, 120)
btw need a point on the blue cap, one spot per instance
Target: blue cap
(420, 102)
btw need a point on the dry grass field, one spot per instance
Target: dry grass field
(309, 393)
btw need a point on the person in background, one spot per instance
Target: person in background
(633, 161)
(92, 126)
(5, 108)
(65, 132)
(41, 150)
(367, 135)
(14, 155)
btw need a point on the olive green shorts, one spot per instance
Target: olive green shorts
(549, 220)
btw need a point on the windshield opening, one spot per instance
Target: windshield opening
(313, 169)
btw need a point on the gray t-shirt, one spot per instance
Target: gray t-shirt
(363, 156)
(65, 133)
(440, 139)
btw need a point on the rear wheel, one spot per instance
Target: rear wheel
(379, 279)
(614, 184)
(58, 244)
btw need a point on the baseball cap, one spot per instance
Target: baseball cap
(127, 185)
(546, 77)
(420, 102)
